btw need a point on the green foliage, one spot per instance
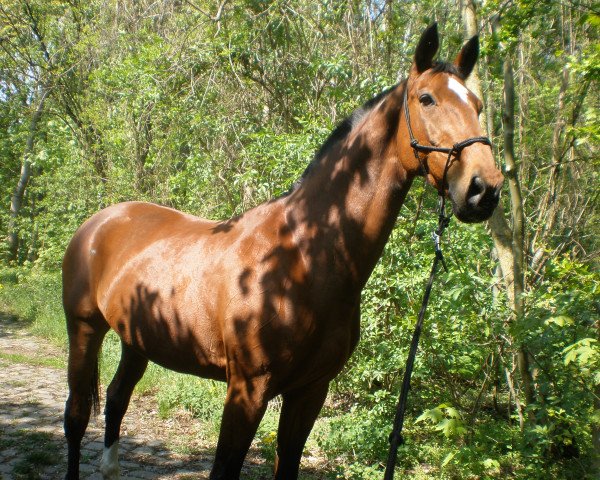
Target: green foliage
(586, 354)
(202, 398)
(33, 297)
(446, 419)
(214, 115)
(358, 435)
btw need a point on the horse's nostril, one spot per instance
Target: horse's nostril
(476, 190)
(481, 196)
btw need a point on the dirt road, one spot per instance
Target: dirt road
(32, 446)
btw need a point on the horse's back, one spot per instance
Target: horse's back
(108, 240)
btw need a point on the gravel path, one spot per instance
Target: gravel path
(32, 445)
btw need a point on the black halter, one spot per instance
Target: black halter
(455, 150)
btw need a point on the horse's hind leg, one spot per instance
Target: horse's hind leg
(85, 340)
(131, 369)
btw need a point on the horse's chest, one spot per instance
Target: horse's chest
(322, 354)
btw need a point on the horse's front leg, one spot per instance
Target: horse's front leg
(245, 406)
(298, 414)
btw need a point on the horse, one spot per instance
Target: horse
(269, 301)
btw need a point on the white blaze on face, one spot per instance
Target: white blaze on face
(109, 465)
(458, 88)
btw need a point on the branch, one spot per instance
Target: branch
(216, 17)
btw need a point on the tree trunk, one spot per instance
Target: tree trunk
(501, 232)
(548, 209)
(16, 199)
(518, 231)
(469, 17)
(509, 243)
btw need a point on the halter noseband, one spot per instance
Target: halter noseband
(456, 149)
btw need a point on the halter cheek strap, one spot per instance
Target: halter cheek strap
(455, 150)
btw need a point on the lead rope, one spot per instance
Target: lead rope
(396, 439)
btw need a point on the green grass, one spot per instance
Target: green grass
(32, 298)
(59, 363)
(37, 449)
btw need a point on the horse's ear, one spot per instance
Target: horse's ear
(427, 48)
(466, 59)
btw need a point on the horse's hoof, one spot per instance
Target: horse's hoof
(109, 465)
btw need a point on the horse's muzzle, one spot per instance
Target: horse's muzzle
(480, 201)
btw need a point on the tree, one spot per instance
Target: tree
(16, 200)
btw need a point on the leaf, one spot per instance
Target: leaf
(451, 427)
(448, 458)
(491, 464)
(453, 412)
(585, 352)
(435, 415)
(560, 320)
(570, 356)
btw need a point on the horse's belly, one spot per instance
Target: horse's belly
(187, 364)
(172, 335)
(175, 347)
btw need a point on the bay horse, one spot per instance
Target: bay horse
(268, 301)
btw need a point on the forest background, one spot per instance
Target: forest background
(214, 107)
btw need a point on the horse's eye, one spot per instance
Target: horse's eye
(426, 100)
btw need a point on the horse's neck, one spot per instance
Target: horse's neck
(347, 206)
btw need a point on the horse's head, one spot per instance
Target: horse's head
(442, 113)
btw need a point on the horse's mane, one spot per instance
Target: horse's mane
(341, 132)
(447, 67)
(344, 128)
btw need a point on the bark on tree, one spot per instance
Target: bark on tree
(548, 209)
(469, 16)
(16, 199)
